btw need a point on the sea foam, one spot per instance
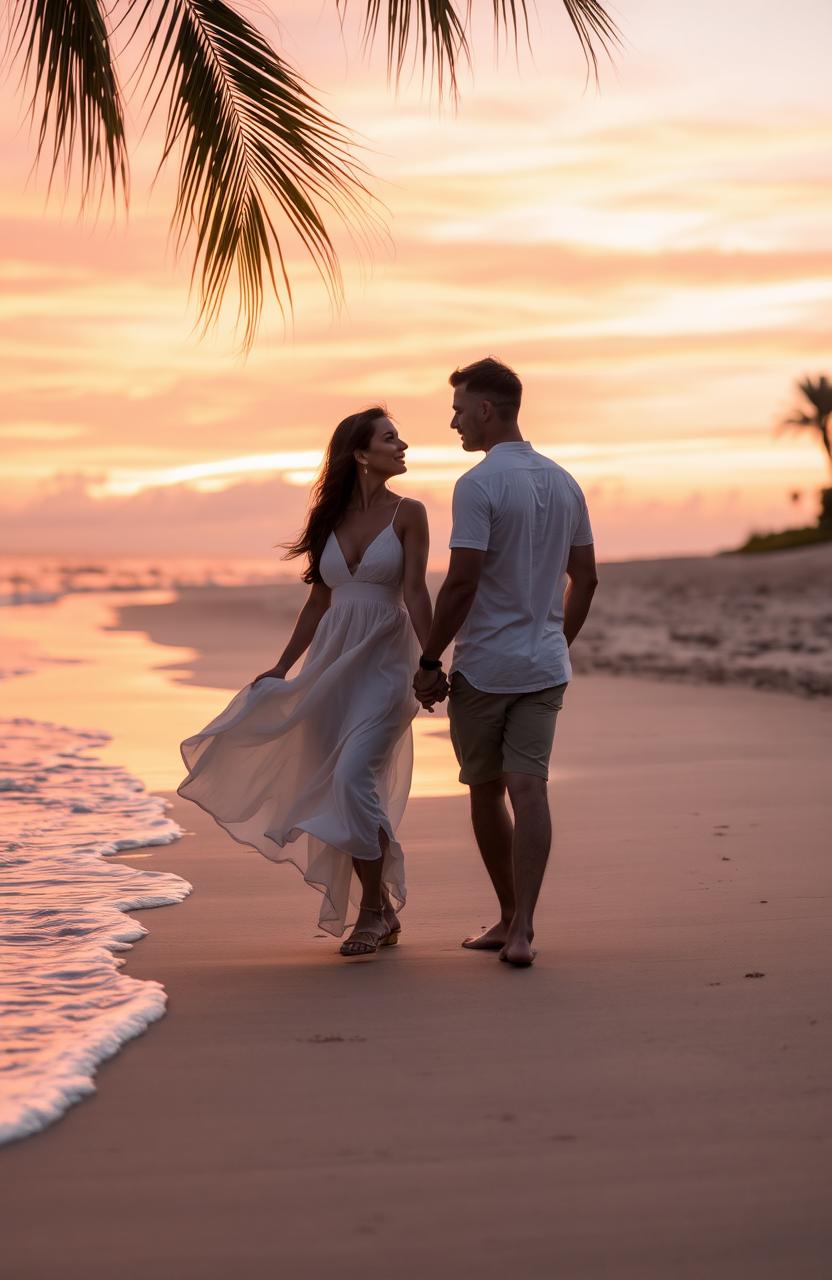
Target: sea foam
(65, 1005)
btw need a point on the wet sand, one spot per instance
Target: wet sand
(635, 1106)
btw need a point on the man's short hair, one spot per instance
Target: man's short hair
(493, 381)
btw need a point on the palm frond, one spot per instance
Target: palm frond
(66, 53)
(505, 19)
(797, 421)
(438, 30)
(593, 25)
(435, 26)
(248, 131)
(818, 392)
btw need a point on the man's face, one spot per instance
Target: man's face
(468, 418)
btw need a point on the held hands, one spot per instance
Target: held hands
(430, 687)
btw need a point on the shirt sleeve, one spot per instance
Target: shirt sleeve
(582, 535)
(471, 511)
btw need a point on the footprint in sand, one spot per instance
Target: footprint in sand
(331, 1039)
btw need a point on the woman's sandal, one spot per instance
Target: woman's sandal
(356, 945)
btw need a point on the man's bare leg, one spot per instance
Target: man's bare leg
(530, 853)
(494, 832)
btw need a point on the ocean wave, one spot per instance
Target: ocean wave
(64, 1002)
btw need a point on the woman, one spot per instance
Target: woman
(325, 758)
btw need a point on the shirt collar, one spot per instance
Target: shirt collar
(511, 444)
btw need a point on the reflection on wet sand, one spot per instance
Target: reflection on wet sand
(86, 672)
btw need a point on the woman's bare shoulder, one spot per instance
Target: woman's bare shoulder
(411, 509)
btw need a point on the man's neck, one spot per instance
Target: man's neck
(508, 435)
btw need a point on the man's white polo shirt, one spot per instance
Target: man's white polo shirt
(526, 513)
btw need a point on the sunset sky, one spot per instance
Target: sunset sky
(653, 257)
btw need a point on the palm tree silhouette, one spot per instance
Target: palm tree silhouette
(818, 395)
(253, 142)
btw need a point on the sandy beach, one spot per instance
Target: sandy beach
(763, 622)
(650, 1100)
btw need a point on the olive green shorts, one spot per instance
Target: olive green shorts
(497, 733)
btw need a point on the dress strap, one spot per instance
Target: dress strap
(396, 512)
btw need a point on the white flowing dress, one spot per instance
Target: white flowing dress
(320, 762)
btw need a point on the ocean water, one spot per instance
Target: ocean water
(65, 1005)
(91, 723)
(44, 579)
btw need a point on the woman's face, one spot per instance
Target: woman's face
(384, 454)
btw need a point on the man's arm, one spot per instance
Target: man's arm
(455, 598)
(470, 535)
(583, 579)
(453, 604)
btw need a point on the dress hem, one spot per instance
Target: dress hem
(330, 926)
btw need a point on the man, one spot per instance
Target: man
(520, 530)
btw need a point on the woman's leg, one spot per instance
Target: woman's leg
(355, 781)
(376, 918)
(370, 874)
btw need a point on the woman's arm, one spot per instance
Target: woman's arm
(416, 543)
(305, 628)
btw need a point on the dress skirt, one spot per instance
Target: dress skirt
(308, 770)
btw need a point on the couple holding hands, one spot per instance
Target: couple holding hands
(315, 768)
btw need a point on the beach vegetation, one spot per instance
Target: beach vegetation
(814, 416)
(786, 540)
(817, 398)
(261, 162)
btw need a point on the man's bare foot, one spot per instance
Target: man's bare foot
(494, 939)
(518, 951)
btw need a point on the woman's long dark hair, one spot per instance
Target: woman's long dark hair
(333, 488)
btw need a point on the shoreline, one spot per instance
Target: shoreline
(633, 1102)
(725, 619)
(68, 916)
(708, 621)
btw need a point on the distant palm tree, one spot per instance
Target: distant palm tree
(250, 136)
(818, 395)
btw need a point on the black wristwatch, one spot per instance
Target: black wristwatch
(430, 664)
